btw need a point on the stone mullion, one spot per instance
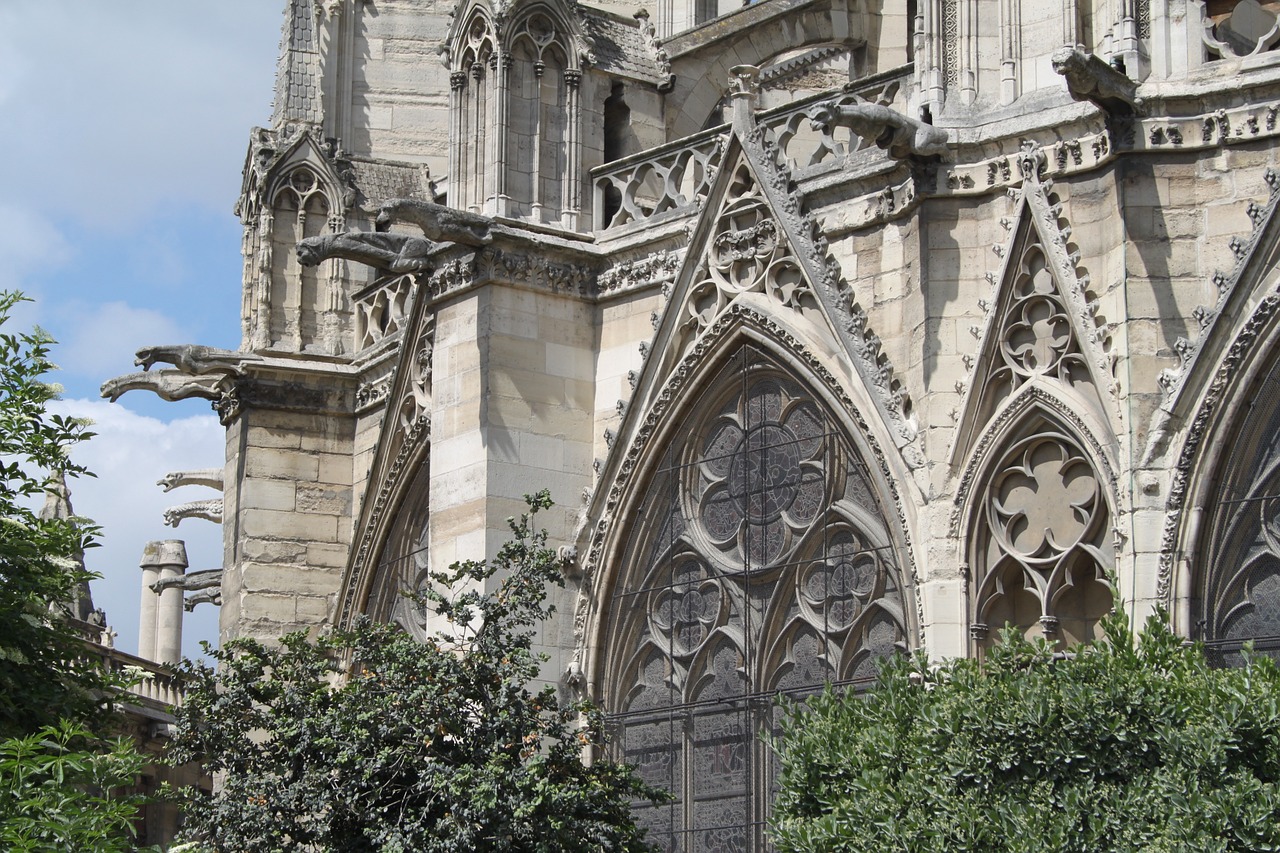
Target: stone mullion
(1010, 49)
(457, 120)
(932, 81)
(535, 194)
(572, 189)
(478, 141)
(966, 51)
(1070, 23)
(502, 142)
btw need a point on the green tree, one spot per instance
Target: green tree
(61, 789)
(43, 669)
(1116, 746)
(441, 746)
(59, 783)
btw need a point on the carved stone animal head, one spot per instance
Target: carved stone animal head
(146, 357)
(821, 116)
(311, 251)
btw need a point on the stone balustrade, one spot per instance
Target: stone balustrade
(381, 309)
(669, 178)
(673, 178)
(809, 147)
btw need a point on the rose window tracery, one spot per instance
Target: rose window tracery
(760, 562)
(763, 475)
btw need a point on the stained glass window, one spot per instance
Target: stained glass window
(761, 565)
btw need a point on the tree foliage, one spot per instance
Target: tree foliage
(61, 789)
(43, 670)
(440, 746)
(1121, 746)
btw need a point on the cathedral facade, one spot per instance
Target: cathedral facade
(836, 328)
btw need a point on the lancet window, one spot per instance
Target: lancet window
(300, 208)
(761, 564)
(516, 118)
(1042, 539)
(1238, 594)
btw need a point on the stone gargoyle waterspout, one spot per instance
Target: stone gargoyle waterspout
(900, 135)
(396, 253)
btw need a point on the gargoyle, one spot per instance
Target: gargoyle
(211, 477)
(1090, 79)
(900, 135)
(203, 579)
(438, 223)
(194, 359)
(212, 595)
(397, 253)
(210, 510)
(169, 385)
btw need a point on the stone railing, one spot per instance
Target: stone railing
(808, 149)
(151, 685)
(672, 177)
(381, 309)
(676, 176)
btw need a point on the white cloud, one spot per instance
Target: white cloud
(129, 454)
(120, 110)
(28, 242)
(109, 334)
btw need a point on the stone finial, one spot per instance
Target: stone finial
(744, 89)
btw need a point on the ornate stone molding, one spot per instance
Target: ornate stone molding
(526, 268)
(1172, 380)
(1242, 346)
(814, 255)
(649, 271)
(418, 434)
(674, 390)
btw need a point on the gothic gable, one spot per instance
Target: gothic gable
(398, 463)
(1040, 327)
(754, 248)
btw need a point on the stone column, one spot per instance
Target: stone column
(160, 622)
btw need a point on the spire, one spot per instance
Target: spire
(57, 506)
(298, 97)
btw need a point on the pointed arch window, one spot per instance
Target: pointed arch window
(760, 563)
(1238, 591)
(1042, 539)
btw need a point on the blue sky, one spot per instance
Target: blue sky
(124, 130)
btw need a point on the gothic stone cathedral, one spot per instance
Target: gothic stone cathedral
(835, 328)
